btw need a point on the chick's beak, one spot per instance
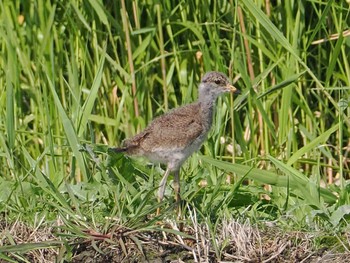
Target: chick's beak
(232, 89)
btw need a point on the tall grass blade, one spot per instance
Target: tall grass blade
(69, 131)
(311, 145)
(90, 101)
(267, 177)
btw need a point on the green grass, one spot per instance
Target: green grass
(78, 76)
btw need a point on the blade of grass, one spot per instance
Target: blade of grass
(300, 182)
(69, 130)
(266, 177)
(311, 145)
(90, 101)
(25, 247)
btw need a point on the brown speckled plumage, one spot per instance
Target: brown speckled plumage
(174, 136)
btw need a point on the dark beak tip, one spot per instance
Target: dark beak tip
(237, 91)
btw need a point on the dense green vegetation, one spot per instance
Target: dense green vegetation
(79, 76)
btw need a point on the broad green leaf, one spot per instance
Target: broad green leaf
(339, 214)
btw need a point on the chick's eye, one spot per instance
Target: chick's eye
(217, 81)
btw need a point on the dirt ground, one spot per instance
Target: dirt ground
(235, 242)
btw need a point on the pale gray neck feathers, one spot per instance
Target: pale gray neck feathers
(207, 97)
(208, 94)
